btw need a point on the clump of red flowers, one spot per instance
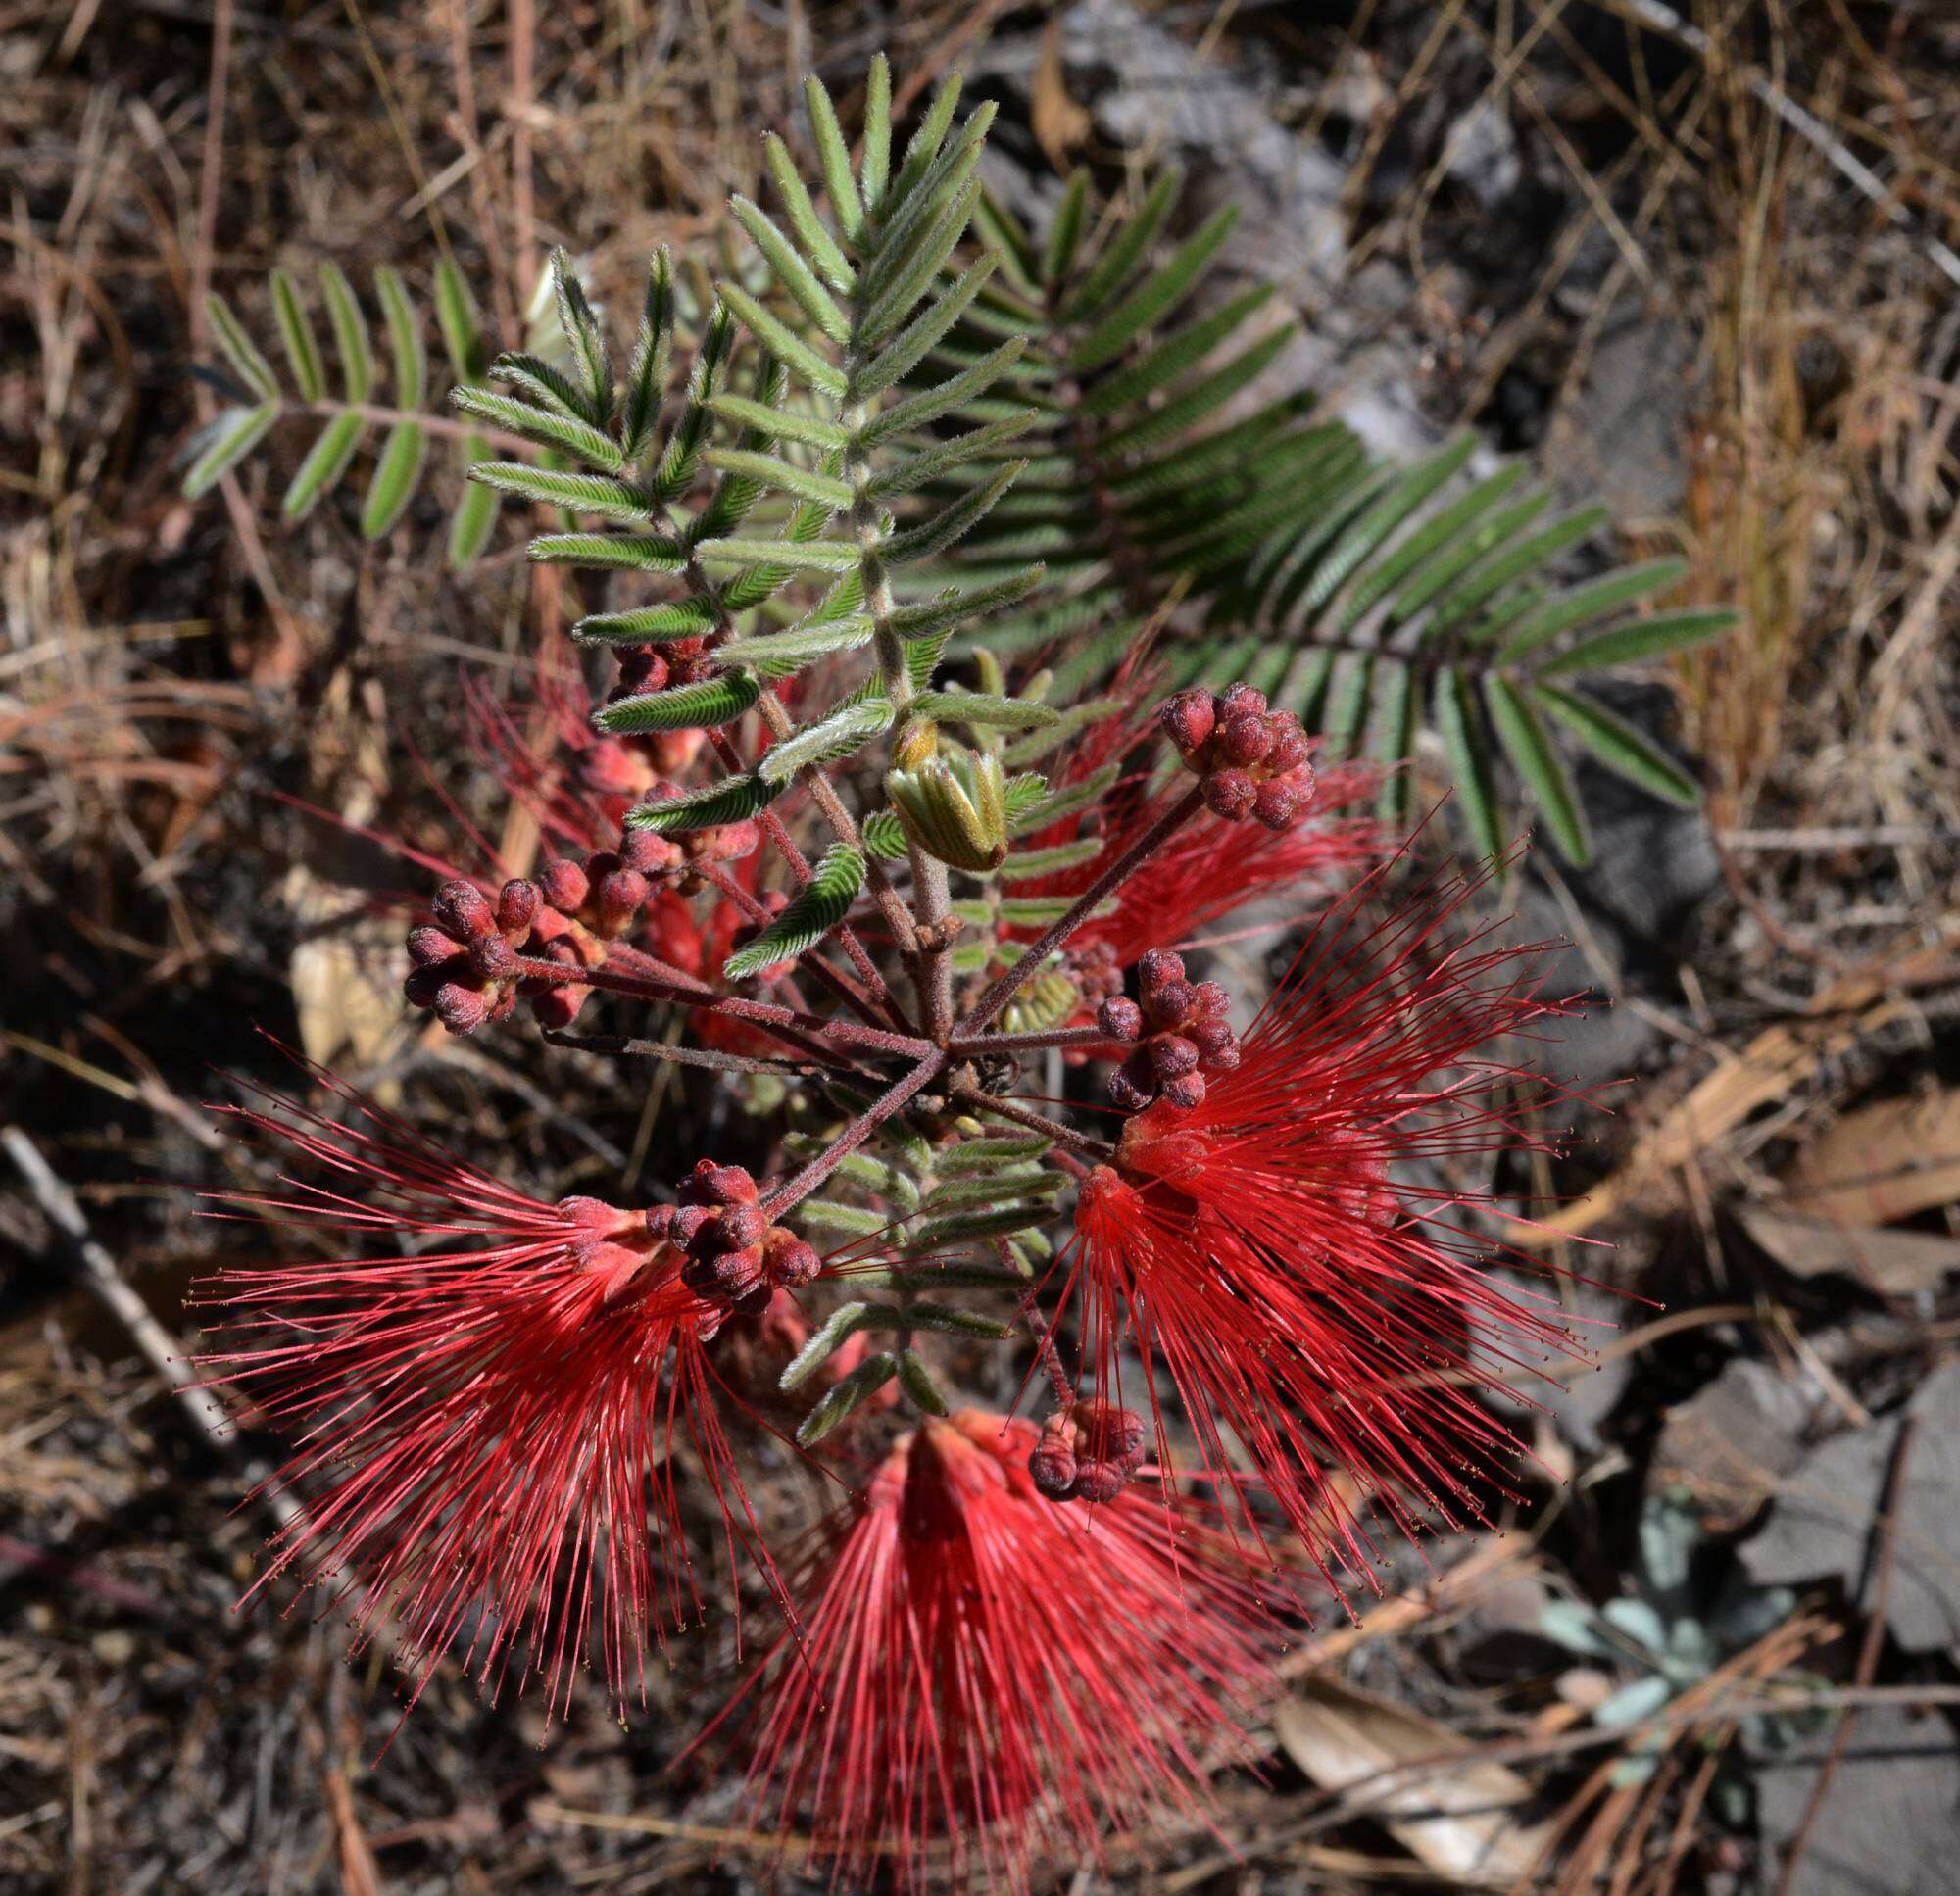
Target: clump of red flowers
(981, 1672)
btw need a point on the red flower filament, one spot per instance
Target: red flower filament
(489, 1428)
(1316, 1309)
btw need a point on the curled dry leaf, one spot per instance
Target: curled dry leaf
(1460, 1819)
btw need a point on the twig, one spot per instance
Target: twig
(679, 1055)
(160, 1348)
(1868, 1657)
(792, 1191)
(1035, 1122)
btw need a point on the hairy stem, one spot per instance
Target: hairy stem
(793, 1191)
(1035, 1122)
(989, 1005)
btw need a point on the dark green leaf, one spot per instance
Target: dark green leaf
(814, 911)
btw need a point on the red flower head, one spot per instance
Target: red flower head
(1211, 866)
(488, 1420)
(984, 1673)
(1284, 1249)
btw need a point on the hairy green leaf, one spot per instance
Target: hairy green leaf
(698, 706)
(296, 334)
(226, 442)
(243, 353)
(814, 911)
(734, 801)
(550, 429)
(1536, 759)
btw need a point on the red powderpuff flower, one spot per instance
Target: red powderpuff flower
(1209, 868)
(1284, 1252)
(487, 1424)
(983, 1673)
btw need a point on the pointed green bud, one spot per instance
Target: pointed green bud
(952, 801)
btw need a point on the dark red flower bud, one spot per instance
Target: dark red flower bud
(1109, 1433)
(659, 1221)
(710, 1183)
(788, 1262)
(518, 906)
(461, 910)
(1173, 1004)
(687, 1222)
(492, 958)
(726, 1274)
(1212, 1036)
(564, 885)
(1157, 966)
(1213, 999)
(736, 1229)
(557, 1007)
(1188, 719)
(1133, 1084)
(1100, 1483)
(1290, 747)
(429, 948)
(1236, 699)
(620, 894)
(1245, 739)
(1230, 793)
(1170, 1055)
(651, 854)
(1052, 1460)
(1120, 1019)
(460, 1010)
(1281, 803)
(1185, 1091)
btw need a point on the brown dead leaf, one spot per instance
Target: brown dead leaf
(1456, 1818)
(1060, 123)
(1778, 1059)
(1882, 1163)
(1895, 1263)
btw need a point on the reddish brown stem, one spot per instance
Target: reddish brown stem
(1085, 904)
(1035, 1122)
(794, 1190)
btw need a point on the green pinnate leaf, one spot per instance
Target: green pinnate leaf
(817, 907)
(1533, 755)
(241, 351)
(698, 706)
(732, 801)
(226, 443)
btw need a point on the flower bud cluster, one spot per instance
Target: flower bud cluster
(1253, 761)
(734, 1255)
(466, 957)
(1181, 1034)
(1086, 1452)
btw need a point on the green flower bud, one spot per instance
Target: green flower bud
(952, 803)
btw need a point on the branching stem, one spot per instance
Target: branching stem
(989, 1005)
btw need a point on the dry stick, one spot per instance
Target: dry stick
(794, 1189)
(1085, 904)
(162, 1350)
(1868, 1656)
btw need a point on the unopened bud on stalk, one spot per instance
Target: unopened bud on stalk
(952, 801)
